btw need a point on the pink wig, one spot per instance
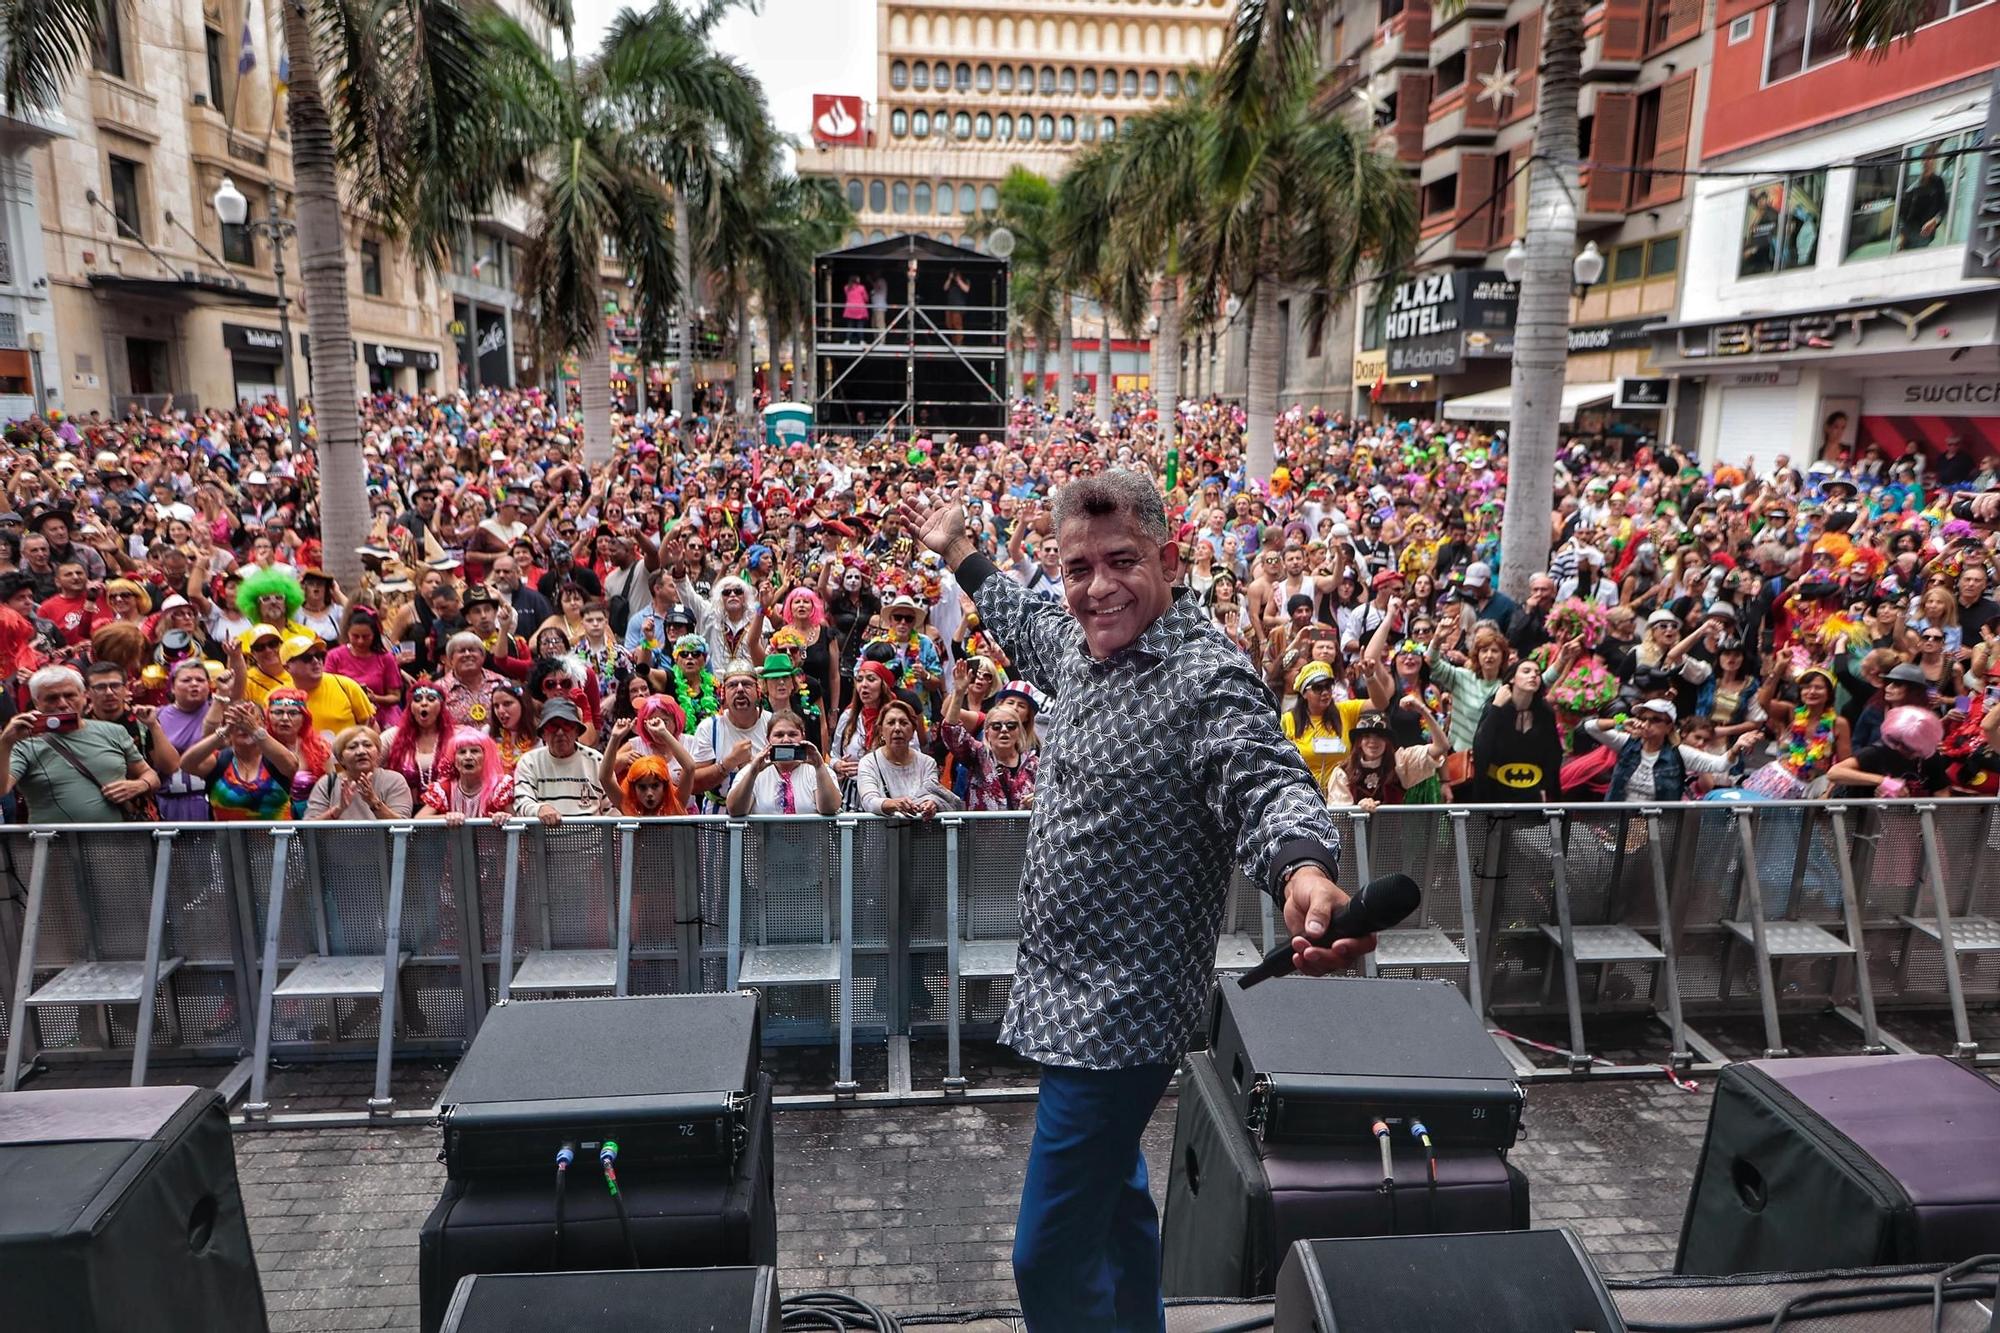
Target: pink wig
(818, 616)
(1916, 731)
(493, 771)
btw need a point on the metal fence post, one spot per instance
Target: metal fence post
(1579, 1060)
(24, 976)
(466, 891)
(1850, 898)
(392, 965)
(258, 1107)
(845, 1082)
(1965, 1048)
(509, 899)
(1475, 963)
(156, 936)
(1364, 871)
(1767, 981)
(952, 1079)
(1680, 1057)
(733, 962)
(627, 833)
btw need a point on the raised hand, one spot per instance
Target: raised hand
(940, 528)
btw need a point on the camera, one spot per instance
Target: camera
(61, 722)
(787, 754)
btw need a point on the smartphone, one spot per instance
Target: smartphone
(787, 754)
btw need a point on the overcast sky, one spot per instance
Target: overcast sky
(796, 47)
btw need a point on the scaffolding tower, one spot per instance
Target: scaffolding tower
(919, 349)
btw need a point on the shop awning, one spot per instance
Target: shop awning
(1496, 405)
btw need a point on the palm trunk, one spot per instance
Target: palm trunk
(1041, 366)
(1065, 354)
(746, 359)
(801, 381)
(593, 369)
(343, 492)
(1260, 386)
(1102, 404)
(1167, 363)
(683, 322)
(1541, 328)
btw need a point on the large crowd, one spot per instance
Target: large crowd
(710, 623)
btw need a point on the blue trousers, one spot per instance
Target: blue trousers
(1087, 1243)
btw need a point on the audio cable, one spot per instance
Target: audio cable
(1381, 1131)
(607, 1156)
(564, 1156)
(1422, 1134)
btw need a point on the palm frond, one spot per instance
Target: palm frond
(42, 43)
(1872, 28)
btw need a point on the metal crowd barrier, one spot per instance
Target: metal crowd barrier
(256, 943)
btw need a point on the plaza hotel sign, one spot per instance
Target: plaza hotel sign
(1437, 320)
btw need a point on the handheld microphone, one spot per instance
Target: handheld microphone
(1381, 904)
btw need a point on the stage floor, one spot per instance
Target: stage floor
(911, 1208)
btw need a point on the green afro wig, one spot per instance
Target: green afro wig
(270, 583)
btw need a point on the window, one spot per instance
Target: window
(899, 75)
(1913, 198)
(899, 123)
(1048, 84)
(108, 57)
(217, 87)
(1628, 264)
(1090, 83)
(1110, 83)
(966, 199)
(941, 76)
(1108, 127)
(1152, 83)
(878, 197)
(1173, 83)
(899, 196)
(1066, 129)
(920, 124)
(854, 188)
(989, 197)
(1131, 83)
(1004, 127)
(1069, 81)
(371, 268)
(1374, 329)
(1645, 140)
(1781, 221)
(961, 125)
(982, 126)
(1004, 79)
(1663, 256)
(1804, 34)
(920, 75)
(921, 197)
(1510, 47)
(944, 198)
(1024, 79)
(1088, 130)
(961, 77)
(125, 198)
(1024, 127)
(1449, 73)
(1441, 197)
(1045, 129)
(982, 78)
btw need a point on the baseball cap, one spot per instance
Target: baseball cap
(1662, 618)
(299, 645)
(1478, 574)
(559, 709)
(258, 633)
(1659, 706)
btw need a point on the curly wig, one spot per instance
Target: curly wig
(269, 583)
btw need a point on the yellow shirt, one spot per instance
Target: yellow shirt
(1323, 744)
(258, 687)
(337, 703)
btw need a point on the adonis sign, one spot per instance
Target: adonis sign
(836, 118)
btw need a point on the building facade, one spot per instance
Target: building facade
(149, 299)
(968, 89)
(1840, 285)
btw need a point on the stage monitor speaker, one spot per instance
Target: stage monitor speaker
(1320, 1059)
(1845, 1162)
(665, 1076)
(120, 1213)
(1234, 1204)
(645, 1300)
(1483, 1282)
(687, 1214)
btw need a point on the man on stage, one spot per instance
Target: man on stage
(1165, 766)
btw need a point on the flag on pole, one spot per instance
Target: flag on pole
(283, 81)
(246, 54)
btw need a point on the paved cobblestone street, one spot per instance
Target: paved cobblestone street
(910, 1208)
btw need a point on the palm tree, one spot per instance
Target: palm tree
(1026, 208)
(592, 190)
(1086, 242)
(42, 42)
(1292, 195)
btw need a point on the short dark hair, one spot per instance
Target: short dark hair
(96, 669)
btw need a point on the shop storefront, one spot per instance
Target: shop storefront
(485, 345)
(256, 362)
(400, 369)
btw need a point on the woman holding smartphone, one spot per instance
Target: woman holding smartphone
(788, 777)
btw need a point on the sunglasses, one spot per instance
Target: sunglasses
(690, 654)
(903, 620)
(1003, 726)
(1319, 685)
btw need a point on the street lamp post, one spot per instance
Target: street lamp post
(234, 211)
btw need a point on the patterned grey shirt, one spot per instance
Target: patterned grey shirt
(1165, 765)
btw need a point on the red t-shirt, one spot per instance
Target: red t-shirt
(74, 617)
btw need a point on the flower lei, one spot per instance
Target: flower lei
(1809, 749)
(1585, 688)
(695, 705)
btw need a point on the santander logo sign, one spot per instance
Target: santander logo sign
(836, 118)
